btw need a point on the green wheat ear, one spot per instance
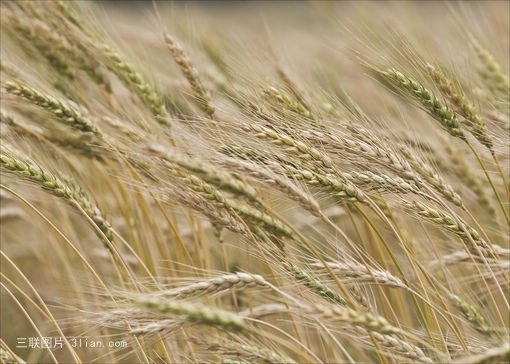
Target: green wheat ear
(61, 109)
(57, 186)
(136, 82)
(471, 118)
(427, 99)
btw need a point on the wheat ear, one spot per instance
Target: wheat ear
(399, 347)
(248, 352)
(193, 313)
(57, 186)
(472, 119)
(62, 110)
(134, 80)
(361, 273)
(435, 107)
(223, 180)
(253, 217)
(217, 284)
(267, 176)
(314, 284)
(496, 355)
(280, 99)
(455, 225)
(492, 73)
(7, 356)
(190, 72)
(472, 315)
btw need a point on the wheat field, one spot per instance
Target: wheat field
(255, 182)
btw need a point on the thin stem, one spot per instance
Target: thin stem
(489, 179)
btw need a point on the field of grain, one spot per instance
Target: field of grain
(254, 182)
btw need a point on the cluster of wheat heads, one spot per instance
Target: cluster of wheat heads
(320, 183)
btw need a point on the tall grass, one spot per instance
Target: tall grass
(255, 183)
